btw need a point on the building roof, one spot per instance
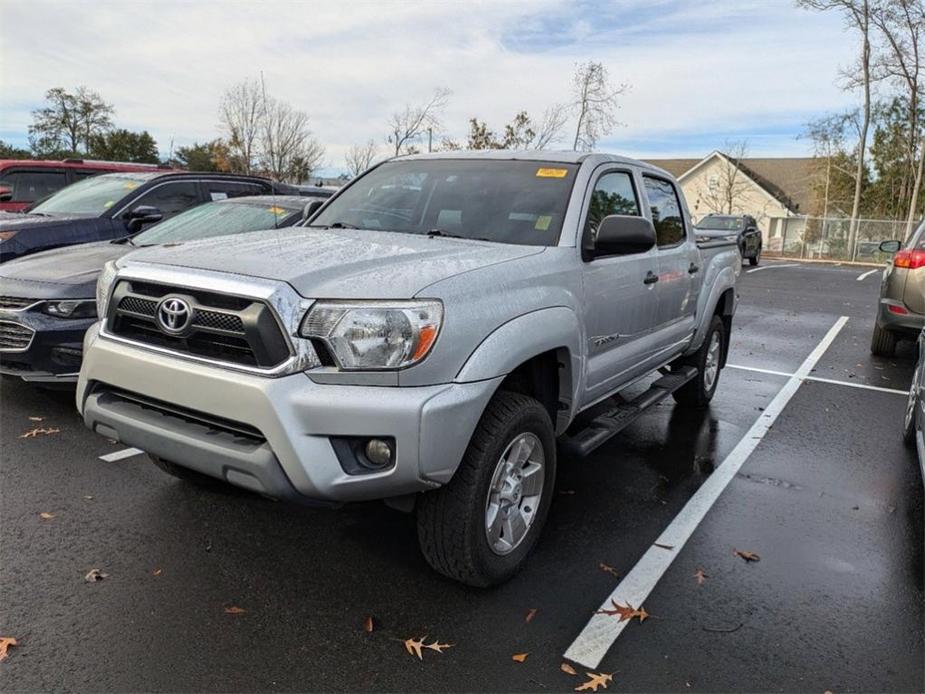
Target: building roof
(787, 179)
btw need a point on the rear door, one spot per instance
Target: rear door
(678, 263)
(620, 306)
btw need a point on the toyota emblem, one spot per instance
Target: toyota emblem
(174, 315)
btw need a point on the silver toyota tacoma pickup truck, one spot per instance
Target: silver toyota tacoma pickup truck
(434, 334)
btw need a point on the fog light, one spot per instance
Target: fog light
(378, 452)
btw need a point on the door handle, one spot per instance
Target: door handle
(693, 269)
(651, 278)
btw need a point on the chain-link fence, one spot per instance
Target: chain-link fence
(826, 238)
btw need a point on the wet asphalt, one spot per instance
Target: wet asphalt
(831, 501)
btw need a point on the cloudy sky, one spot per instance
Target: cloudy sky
(701, 72)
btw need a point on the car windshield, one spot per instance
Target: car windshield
(91, 196)
(518, 202)
(218, 219)
(720, 223)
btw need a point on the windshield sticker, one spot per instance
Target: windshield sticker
(277, 210)
(552, 173)
(218, 196)
(543, 222)
(131, 185)
(109, 204)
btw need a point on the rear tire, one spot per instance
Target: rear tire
(911, 405)
(486, 493)
(882, 342)
(708, 361)
(184, 473)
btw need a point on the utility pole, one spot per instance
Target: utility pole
(430, 140)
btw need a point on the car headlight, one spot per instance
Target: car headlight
(104, 286)
(374, 334)
(7, 235)
(70, 308)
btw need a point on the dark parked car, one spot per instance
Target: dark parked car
(316, 191)
(25, 181)
(901, 309)
(47, 299)
(112, 206)
(743, 227)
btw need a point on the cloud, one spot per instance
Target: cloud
(699, 71)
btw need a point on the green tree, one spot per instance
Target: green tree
(480, 137)
(205, 156)
(68, 121)
(8, 151)
(124, 145)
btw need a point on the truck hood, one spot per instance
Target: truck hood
(341, 264)
(68, 272)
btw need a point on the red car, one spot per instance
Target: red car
(23, 181)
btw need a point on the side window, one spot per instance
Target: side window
(613, 194)
(219, 190)
(29, 186)
(666, 211)
(171, 198)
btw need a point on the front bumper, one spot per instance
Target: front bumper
(273, 435)
(55, 351)
(910, 322)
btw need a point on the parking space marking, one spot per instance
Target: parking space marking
(602, 630)
(865, 275)
(819, 379)
(120, 455)
(768, 267)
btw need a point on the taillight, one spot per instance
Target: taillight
(911, 260)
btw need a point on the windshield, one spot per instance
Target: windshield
(217, 219)
(515, 202)
(91, 196)
(720, 223)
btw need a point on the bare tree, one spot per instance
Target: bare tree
(828, 135)
(407, 127)
(289, 151)
(550, 130)
(902, 24)
(595, 102)
(360, 157)
(726, 192)
(240, 113)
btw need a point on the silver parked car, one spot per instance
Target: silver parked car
(914, 421)
(901, 309)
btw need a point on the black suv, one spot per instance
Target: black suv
(111, 206)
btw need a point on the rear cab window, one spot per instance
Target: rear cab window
(665, 207)
(221, 190)
(29, 186)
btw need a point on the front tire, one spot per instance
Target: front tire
(755, 259)
(882, 342)
(184, 473)
(911, 405)
(480, 527)
(708, 360)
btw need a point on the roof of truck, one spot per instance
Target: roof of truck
(564, 156)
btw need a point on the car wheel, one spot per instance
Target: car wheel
(754, 260)
(479, 528)
(882, 342)
(911, 404)
(708, 360)
(184, 473)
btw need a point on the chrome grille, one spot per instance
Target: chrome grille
(14, 302)
(14, 337)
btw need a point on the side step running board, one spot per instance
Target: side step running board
(615, 420)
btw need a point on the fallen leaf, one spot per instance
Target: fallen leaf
(437, 646)
(596, 680)
(368, 625)
(156, 572)
(746, 555)
(414, 647)
(663, 546)
(519, 657)
(39, 430)
(95, 575)
(5, 643)
(531, 613)
(700, 576)
(609, 569)
(235, 610)
(567, 669)
(44, 515)
(88, 497)
(36, 419)
(626, 612)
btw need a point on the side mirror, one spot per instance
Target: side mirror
(890, 246)
(6, 194)
(142, 215)
(620, 235)
(310, 209)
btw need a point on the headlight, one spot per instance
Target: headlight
(7, 235)
(70, 308)
(104, 285)
(374, 335)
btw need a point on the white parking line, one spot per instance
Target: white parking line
(819, 379)
(119, 455)
(602, 630)
(768, 267)
(864, 275)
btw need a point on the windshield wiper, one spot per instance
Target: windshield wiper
(434, 233)
(342, 225)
